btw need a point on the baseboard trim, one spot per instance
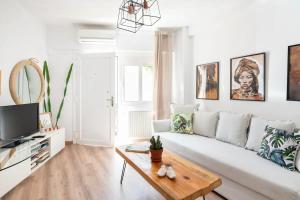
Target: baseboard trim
(93, 143)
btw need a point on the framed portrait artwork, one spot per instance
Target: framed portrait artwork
(247, 77)
(293, 90)
(207, 81)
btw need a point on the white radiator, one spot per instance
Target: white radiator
(140, 124)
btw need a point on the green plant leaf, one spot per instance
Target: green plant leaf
(59, 112)
(277, 140)
(291, 167)
(44, 74)
(47, 78)
(44, 104)
(297, 138)
(65, 93)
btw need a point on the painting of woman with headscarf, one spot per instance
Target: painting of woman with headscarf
(248, 78)
(207, 81)
(293, 93)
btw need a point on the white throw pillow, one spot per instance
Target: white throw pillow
(205, 123)
(232, 128)
(178, 109)
(257, 130)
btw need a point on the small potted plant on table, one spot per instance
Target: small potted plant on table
(156, 149)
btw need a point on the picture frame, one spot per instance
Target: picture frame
(248, 77)
(207, 81)
(293, 74)
(46, 123)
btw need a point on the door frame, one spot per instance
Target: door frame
(113, 110)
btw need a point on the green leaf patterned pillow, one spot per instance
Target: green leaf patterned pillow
(182, 123)
(280, 147)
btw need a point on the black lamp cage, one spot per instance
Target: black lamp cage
(133, 14)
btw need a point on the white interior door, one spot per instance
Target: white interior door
(97, 78)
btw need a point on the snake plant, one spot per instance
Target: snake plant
(47, 102)
(65, 93)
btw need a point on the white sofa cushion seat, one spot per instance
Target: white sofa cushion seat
(257, 130)
(233, 127)
(205, 123)
(236, 163)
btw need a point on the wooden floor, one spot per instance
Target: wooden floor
(85, 173)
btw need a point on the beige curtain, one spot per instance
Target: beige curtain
(162, 75)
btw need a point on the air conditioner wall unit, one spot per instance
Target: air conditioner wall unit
(97, 36)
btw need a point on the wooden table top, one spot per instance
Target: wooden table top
(192, 181)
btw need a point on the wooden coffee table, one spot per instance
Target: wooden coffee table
(192, 181)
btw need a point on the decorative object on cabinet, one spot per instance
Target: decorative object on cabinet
(293, 85)
(26, 82)
(247, 77)
(207, 81)
(46, 122)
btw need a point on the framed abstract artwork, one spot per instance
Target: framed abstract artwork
(247, 77)
(207, 81)
(293, 85)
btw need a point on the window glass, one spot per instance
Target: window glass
(131, 83)
(147, 83)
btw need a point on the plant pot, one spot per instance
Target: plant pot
(156, 155)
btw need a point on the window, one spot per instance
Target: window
(138, 83)
(131, 83)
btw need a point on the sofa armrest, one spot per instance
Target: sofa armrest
(161, 125)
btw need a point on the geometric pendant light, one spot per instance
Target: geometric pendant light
(133, 14)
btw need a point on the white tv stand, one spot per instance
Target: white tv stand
(20, 162)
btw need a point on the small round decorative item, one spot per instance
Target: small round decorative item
(156, 149)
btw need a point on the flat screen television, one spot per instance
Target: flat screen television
(18, 121)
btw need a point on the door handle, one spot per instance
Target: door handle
(111, 101)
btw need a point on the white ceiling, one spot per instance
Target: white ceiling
(174, 12)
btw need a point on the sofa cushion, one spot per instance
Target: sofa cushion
(257, 130)
(205, 123)
(280, 147)
(298, 160)
(237, 164)
(298, 154)
(233, 127)
(163, 125)
(182, 123)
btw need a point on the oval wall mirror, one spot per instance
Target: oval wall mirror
(26, 82)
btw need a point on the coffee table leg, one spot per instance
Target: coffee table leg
(123, 171)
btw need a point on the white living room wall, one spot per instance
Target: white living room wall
(64, 48)
(261, 26)
(22, 36)
(182, 66)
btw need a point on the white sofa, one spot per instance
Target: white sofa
(245, 175)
